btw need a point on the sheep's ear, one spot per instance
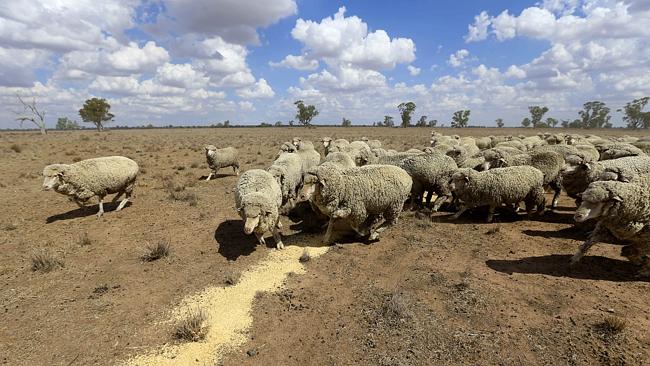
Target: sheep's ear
(588, 166)
(617, 198)
(323, 182)
(502, 160)
(466, 178)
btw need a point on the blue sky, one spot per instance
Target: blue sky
(205, 61)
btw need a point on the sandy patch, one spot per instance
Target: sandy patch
(228, 310)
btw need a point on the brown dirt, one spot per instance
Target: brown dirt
(429, 292)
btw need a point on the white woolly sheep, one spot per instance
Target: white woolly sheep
(258, 199)
(359, 195)
(287, 171)
(221, 158)
(499, 186)
(373, 144)
(342, 159)
(620, 150)
(308, 154)
(623, 209)
(93, 177)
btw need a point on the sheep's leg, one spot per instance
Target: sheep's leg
(235, 169)
(277, 237)
(556, 196)
(491, 213)
(124, 201)
(117, 196)
(461, 211)
(260, 238)
(341, 213)
(101, 207)
(438, 202)
(593, 239)
(209, 176)
(327, 239)
(391, 219)
(429, 197)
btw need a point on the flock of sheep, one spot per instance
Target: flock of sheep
(364, 186)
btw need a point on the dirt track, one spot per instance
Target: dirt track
(431, 291)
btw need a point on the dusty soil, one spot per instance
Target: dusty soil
(430, 292)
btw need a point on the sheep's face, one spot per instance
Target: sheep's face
(251, 216)
(296, 141)
(210, 150)
(574, 168)
(52, 177)
(326, 141)
(309, 187)
(595, 203)
(458, 180)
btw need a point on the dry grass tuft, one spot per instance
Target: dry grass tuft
(45, 261)
(16, 148)
(396, 306)
(156, 251)
(176, 192)
(612, 325)
(193, 327)
(305, 257)
(84, 239)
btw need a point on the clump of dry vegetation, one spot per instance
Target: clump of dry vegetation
(396, 306)
(84, 240)
(305, 257)
(176, 192)
(156, 251)
(16, 148)
(45, 261)
(193, 327)
(612, 326)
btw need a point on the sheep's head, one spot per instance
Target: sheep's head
(460, 179)
(53, 176)
(254, 212)
(210, 150)
(576, 167)
(597, 200)
(364, 139)
(296, 141)
(309, 186)
(326, 141)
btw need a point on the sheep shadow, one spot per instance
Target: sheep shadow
(589, 268)
(573, 232)
(85, 212)
(233, 243)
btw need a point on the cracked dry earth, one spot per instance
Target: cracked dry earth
(431, 291)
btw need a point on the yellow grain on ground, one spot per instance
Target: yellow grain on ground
(228, 310)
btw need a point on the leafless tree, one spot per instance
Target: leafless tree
(32, 114)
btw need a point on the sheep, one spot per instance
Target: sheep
(499, 186)
(576, 178)
(287, 170)
(308, 155)
(431, 173)
(513, 143)
(623, 209)
(221, 158)
(359, 195)
(258, 198)
(359, 151)
(93, 177)
(548, 162)
(644, 145)
(483, 143)
(620, 150)
(373, 144)
(286, 147)
(336, 145)
(342, 159)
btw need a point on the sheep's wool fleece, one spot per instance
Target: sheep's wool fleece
(95, 177)
(498, 186)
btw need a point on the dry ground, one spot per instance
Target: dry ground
(430, 292)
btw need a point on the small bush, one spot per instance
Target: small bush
(193, 327)
(84, 240)
(612, 325)
(16, 148)
(45, 261)
(156, 251)
(305, 257)
(396, 307)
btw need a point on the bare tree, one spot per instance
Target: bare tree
(32, 114)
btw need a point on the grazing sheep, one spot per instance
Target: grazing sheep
(373, 144)
(287, 171)
(93, 177)
(258, 198)
(483, 143)
(359, 151)
(308, 154)
(499, 186)
(576, 178)
(623, 209)
(359, 195)
(342, 159)
(335, 145)
(431, 173)
(221, 158)
(548, 162)
(286, 147)
(644, 145)
(620, 150)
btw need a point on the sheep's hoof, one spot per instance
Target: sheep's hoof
(374, 236)
(279, 245)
